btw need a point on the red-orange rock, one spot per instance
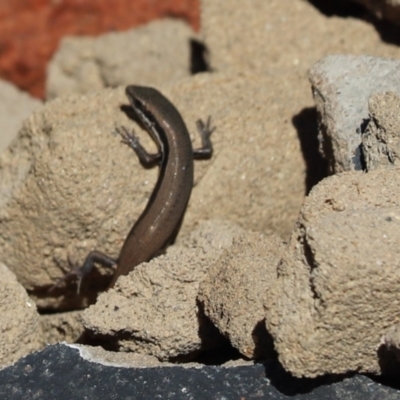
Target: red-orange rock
(31, 29)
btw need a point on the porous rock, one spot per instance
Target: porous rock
(233, 293)
(381, 139)
(337, 291)
(60, 193)
(70, 186)
(257, 177)
(20, 331)
(342, 85)
(154, 310)
(149, 55)
(303, 31)
(62, 327)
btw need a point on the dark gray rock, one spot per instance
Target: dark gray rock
(58, 372)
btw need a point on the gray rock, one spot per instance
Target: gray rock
(381, 139)
(342, 85)
(61, 372)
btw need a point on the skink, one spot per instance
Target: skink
(159, 223)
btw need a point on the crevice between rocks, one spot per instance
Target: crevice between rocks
(311, 263)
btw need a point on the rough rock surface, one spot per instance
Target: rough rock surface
(85, 64)
(67, 148)
(342, 85)
(234, 290)
(61, 372)
(30, 31)
(283, 37)
(337, 291)
(20, 332)
(60, 327)
(211, 236)
(153, 310)
(15, 106)
(381, 139)
(257, 176)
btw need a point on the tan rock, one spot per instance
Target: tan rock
(60, 327)
(60, 163)
(73, 187)
(381, 140)
(154, 310)
(342, 86)
(20, 331)
(233, 293)
(283, 37)
(337, 291)
(149, 55)
(211, 236)
(260, 188)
